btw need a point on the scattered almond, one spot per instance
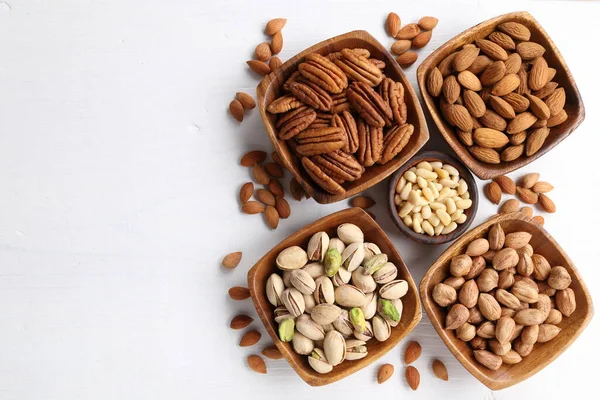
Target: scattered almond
(275, 187)
(407, 59)
(413, 378)
(392, 24)
(493, 192)
(421, 40)
(239, 293)
(527, 195)
(260, 67)
(265, 197)
(257, 364)
(274, 26)
(240, 322)
(527, 181)
(408, 32)
(546, 204)
(509, 206)
(542, 187)
(272, 352)
(246, 192)
(439, 370)
(275, 63)
(263, 51)
(539, 219)
(271, 217)
(250, 338)
(384, 373)
(400, 47)
(506, 184)
(274, 169)
(296, 190)
(253, 207)
(412, 353)
(237, 110)
(363, 202)
(260, 175)
(253, 157)
(232, 260)
(282, 207)
(246, 100)
(428, 23)
(276, 44)
(527, 211)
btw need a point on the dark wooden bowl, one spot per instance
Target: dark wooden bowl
(543, 353)
(464, 173)
(258, 275)
(574, 104)
(270, 88)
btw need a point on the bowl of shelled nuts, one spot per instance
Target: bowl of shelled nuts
(342, 116)
(433, 198)
(501, 94)
(335, 296)
(506, 300)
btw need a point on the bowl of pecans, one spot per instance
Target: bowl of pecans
(501, 94)
(342, 116)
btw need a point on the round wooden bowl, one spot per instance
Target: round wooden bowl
(464, 174)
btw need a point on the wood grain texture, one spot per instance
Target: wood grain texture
(543, 353)
(270, 88)
(260, 272)
(464, 173)
(574, 104)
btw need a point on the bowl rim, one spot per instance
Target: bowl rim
(473, 193)
(422, 133)
(483, 170)
(313, 378)
(474, 368)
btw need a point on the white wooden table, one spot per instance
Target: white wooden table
(119, 174)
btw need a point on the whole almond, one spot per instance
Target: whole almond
(487, 359)
(260, 175)
(257, 364)
(496, 237)
(407, 59)
(528, 180)
(232, 260)
(502, 107)
(451, 89)
(412, 353)
(493, 73)
(271, 217)
(253, 157)
(530, 50)
(538, 107)
(493, 120)
(489, 307)
(250, 338)
(276, 44)
(556, 101)
(518, 138)
(547, 332)
(539, 220)
(435, 82)
(236, 110)
(506, 85)
(465, 58)
(506, 184)
(275, 63)
(493, 192)
(557, 119)
(253, 207)
(239, 293)
(465, 137)
(428, 23)
(483, 154)
(274, 26)
(511, 153)
(413, 378)
(272, 352)
(517, 102)
(490, 138)
(384, 373)
(509, 206)
(282, 207)
(469, 294)
(536, 140)
(440, 370)
(392, 24)
(240, 322)
(502, 40)
(538, 74)
(480, 64)
(246, 100)
(260, 67)
(546, 203)
(275, 187)
(565, 301)
(542, 187)
(262, 52)
(516, 240)
(527, 195)
(296, 190)
(515, 30)
(401, 46)
(460, 117)
(408, 32)
(421, 40)
(491, 49)
(274, 169)
(363, 202)
(265, 197)
(473, 103)
(546, 91)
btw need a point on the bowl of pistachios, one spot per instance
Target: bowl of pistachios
(335, 296)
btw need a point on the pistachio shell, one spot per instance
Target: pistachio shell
(317, 246)
(356, 349)
(350, 233)
(375, 263)
(353, 256)
(324, 314)
(302, 344)
(294, 301)
(370, 306)
(309, 302)
(385, 274)
(343, 325)
(349, 296)
(324, 292)
(371, 249)
(334, 347)
(314, 269)
(363, 281)
(275, 288)
(309, 328)
(342, 277)
(381, 328)
(291, 258)
(302, 281)
(287, 278)
(281, 314)
(335, 243)
(394, 289)
(318, 362)
(366, 335)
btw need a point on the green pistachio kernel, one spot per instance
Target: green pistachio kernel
(286, 330)
(389, 310)
(375, 263)
(357, 318)
(332, 262)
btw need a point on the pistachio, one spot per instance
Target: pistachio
(324, 314)
(357, 319)
(294, 301)
(385, 274)
(318, 362)
(381, 328)
(367, 334)
(349, 296)
(275, 288)
(370, 306)
(371, 249)
(309, 328)
(394, 289)
(334, 347)
(350, 233)
(364, 282)
(286, 330)
(302, 344)
(291, 258)
(343, 325)
(302, 281)
(356, 349)
(336, 243)
(327, 328)
(281, 314)
(342, 277)
(317, 246)
(309, 302)
(332, 262)
(324, 290)
(287, 278)
(375, 263)
(314, 269)
(353, 256)
(388, 310)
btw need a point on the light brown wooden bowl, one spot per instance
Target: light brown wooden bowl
(543, 353)
(270, 88)
(464, 174)
(574, 104)
(258, 275)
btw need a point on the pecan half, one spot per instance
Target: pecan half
(395, 140)
(284, 104)
(319, 141)
(358, 51)
(378, 63)
(359, 68)
(312, 95)
(293, 122)
(393, 94)
(321, 178)
(370, 143)
(340, 103)
(293, 78)
(324, 73)
(323, 120)
(348, 124)
(340, 166)
(369, 104)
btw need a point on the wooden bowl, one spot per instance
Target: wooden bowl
(464, 173)
(258, 275)
(543, 353)
(270, 88)
(574, 104)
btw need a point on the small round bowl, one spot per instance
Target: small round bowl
(464, 174)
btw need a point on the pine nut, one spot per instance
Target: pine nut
(425, 165)
(449, 228)
(410, 176)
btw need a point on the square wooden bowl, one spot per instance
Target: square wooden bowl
(543, 353)
(270, 88)
(258, 275)
(573, 106)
